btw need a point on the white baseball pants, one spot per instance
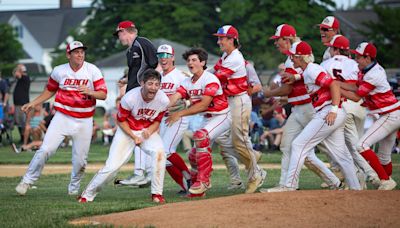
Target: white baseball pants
(315, 132)
(120, 153)
(80, 130)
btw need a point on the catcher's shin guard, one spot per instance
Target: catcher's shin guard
(193, 164)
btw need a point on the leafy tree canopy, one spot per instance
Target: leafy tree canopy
(10, 49)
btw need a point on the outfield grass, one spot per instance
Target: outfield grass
(50, 206)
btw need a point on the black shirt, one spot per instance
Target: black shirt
(136, 63)
(21, 91)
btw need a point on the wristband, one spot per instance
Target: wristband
(297, 77)
(334, 108)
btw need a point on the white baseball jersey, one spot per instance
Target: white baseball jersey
(65, 82)
(231, 71)
(326, 55)
(299, 94)
(209, 85)
(376, 91)
(317, 83)
(171, 81)
(139, 113)
(252, 77)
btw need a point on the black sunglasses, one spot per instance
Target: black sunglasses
(325, 29)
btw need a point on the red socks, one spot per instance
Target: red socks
(388, 168)
(178, 162)
(374, 162)
(176, 174)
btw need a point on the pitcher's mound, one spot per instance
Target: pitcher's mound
(286, 209)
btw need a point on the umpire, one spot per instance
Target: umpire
(141, 54)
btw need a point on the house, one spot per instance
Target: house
(41, 31)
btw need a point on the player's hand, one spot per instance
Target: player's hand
(84, 90)
(172, 118)
(330, 118)
(267, 92)
(137, 140)
(145, 134)
(27, 107)
(288, 78)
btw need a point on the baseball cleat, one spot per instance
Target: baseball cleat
(73, 192)
(235, 186)
(22, 188)
(374, 180)
(191, 195)
(82, 200)
(387, 184)
(199, 187)
(257, 182)
(156, 198)
(135, 180)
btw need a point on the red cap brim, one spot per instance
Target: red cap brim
(287, 52)
(324, 26)
(355, 52)
(219, 35)
(274, 37)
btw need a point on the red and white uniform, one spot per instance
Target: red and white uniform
(65, 82)
(139, 114)
(346, 70)
(378, 97)
(74, 118)
(173, 134)
(317, 82)
(301, 115)
(231, 71)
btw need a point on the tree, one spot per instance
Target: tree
(385, 34)
(10, 49)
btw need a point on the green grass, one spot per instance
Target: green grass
(50, 206)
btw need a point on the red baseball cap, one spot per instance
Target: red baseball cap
(284, 30)
(365, 49)
(339, 41)
(75, 45)
(123, 25)
(300, 48)
(227, 31)
(330, 22)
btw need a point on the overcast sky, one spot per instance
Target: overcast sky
(9, 5)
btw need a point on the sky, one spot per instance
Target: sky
(9, 5)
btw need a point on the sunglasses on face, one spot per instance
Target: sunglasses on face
(325, 29)
(164, 55)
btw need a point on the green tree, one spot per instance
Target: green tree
(10, 49)
(385, 34)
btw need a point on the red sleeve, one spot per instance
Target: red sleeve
(364, 88)
(123, 114)
(159, 117)
(211, 89)
(100, 85)
(183, 92)
(52, 85)
(324, 80)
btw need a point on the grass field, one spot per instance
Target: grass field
(50, 206)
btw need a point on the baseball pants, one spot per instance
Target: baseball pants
(301, 115)
(120, 153)
(315, 132)
(80, 130)
(240, 107)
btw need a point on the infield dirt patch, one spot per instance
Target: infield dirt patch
(312, 208)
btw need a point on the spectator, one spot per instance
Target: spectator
(21, 97)
(4, 94)
(274, 135)
(32, 129)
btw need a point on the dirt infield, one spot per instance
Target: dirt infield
(316, 208)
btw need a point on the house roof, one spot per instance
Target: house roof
(49, 27)
(119, 59)
(352, 21)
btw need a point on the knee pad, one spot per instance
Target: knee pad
(201, 139)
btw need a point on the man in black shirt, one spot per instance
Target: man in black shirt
(141, 54)
(21, 96)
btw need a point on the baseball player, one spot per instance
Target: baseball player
(346, 70)
(231, 71)
(139, 116)
(77, 85)
(328, 28)
(372, 86)
(141, 55)
(205, 93)
(326, 125)
(231, 160)
(301, 115)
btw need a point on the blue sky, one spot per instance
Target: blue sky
(8, 5)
